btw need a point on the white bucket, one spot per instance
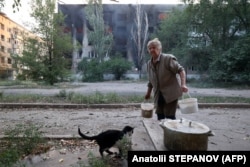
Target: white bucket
(188, 106)
(147, 110)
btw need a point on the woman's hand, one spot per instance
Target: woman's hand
(147, 96)
(184, 88)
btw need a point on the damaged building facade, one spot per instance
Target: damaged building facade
(120, 19)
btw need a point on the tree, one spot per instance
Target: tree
(205, 35)
(173, 32)
(100, 38)
(234, 64)
(45, 58)
(140, 35)
(30, 62)
(225, 23)
(16, 4)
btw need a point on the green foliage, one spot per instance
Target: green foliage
(62, 93)
(173, 30)
(100, 36)
(92, 70)
(125, 145)
(16, 4)
(118, 66)
(105, 98)
(98, 98)
(31, 60)
(43, 60)
(97, 162)
(234, 64)
(20, 141)
(210, 35)
(25, 98)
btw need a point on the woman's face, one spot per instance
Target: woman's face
(154, 51)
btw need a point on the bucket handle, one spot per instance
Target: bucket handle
(146, 101)
(187, 94)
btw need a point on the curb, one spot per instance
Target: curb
(114, 106)
(49, 137)
(66, 106)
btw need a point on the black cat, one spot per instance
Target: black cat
(108, 139)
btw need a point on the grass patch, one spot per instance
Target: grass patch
(20, 141)
(124, 145)
(97, 98)
(94, 161)
(16, 83)
(35, 85)
(102, 98)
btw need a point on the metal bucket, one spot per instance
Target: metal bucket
(185, 135)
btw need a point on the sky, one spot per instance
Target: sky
(23, 18)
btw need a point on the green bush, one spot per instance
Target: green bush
(118, 66)
(91, 69)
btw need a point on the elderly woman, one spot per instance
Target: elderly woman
(162, 74)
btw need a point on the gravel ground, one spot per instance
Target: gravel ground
(231, 128)
(66, 121)
(230, 125)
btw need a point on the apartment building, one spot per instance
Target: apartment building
(11, 43)
(119, 18)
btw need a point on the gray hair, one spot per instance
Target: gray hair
(155, 42)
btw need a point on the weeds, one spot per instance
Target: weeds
(19, 142)
(97, 98)
(62, 93)
(102, 98)
(97, 162)
(124, 145)
(94, 161)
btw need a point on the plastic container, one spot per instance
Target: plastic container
(188, 106)
(147, 110)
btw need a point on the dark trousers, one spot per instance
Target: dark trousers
(164, 108)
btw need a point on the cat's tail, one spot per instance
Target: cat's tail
(84, 136)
